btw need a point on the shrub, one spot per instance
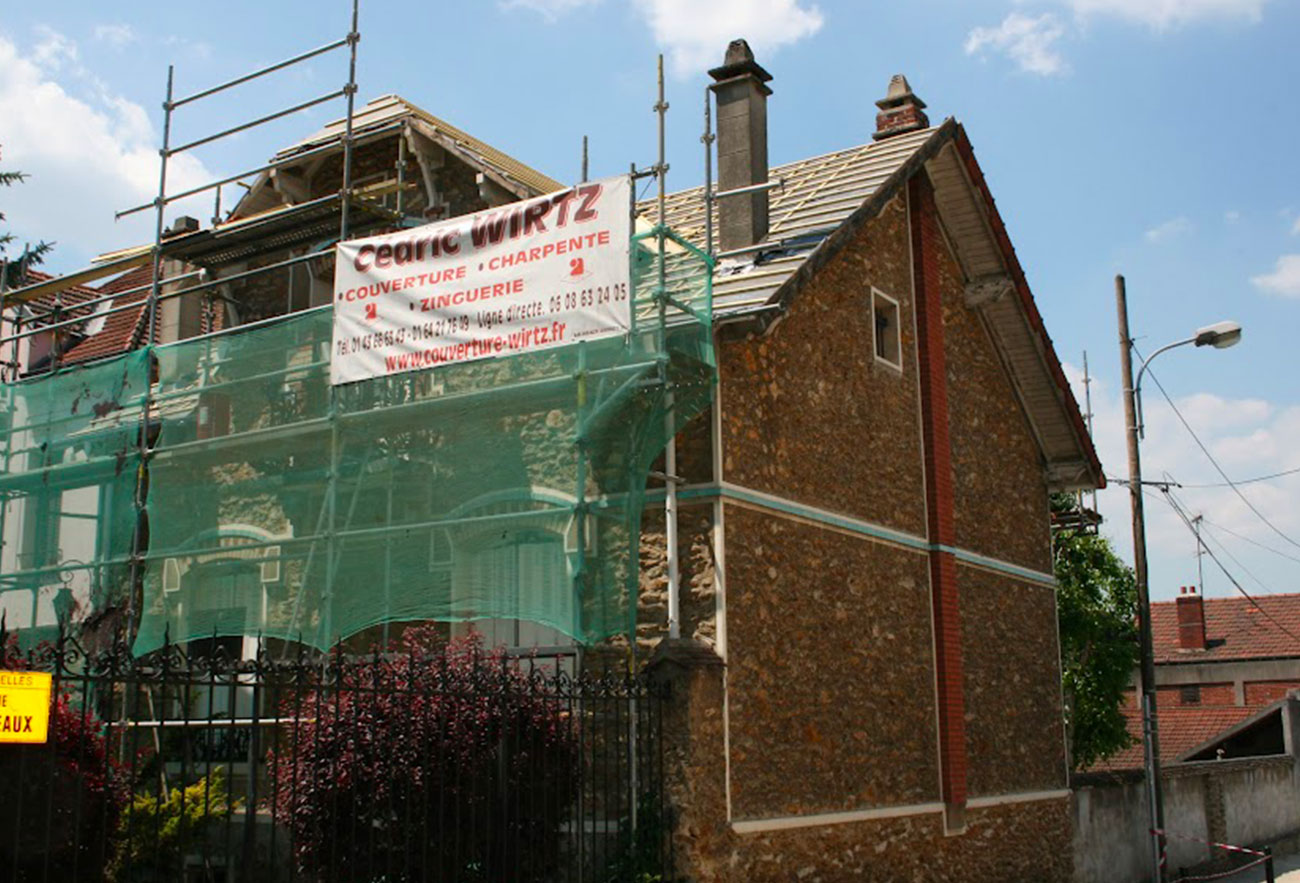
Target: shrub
(434, 763)
(160, 830)
(59, 802)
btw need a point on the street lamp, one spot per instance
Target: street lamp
(1219, 335)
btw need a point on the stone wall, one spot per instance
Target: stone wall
(812, 751)
(1005, 844)
(1009, 843)
(1000, 487)
(807, 411)
(1015, 738)
(830, 673)
(696, 571)
(1254, 801)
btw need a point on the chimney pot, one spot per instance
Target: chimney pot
(741, 92)
(901, 110)
(183, 224)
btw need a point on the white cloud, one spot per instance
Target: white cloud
(1171, 229)
(1161, 14)
(1029, 42)
(1295, 228)
(1249, 437)
(52, 49)
(1232, 216)
(188, 49)
(696, 34)
(88, 152)
(117, 36)
(1285, 278)
(550, 10)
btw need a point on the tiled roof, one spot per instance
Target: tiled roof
(67, 299)
(120, 328)
(1235, 628)
(1180, 729)
(821, 204)
(390, 108)
(819, 194)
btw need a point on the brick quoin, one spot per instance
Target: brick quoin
(940, 494)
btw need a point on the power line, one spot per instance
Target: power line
(1235, 560)
(1223, 548)
(1247, 539)
(1258, 478)
(1214, 462)
(1169, 498)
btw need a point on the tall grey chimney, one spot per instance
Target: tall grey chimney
(742, 146)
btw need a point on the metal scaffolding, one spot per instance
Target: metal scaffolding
(43, 321)
(627, 397)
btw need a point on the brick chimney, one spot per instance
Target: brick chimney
(900, 110)
(1191, 619)
(742, 146)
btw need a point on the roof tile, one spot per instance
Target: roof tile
(818, 195)
(1235, 628)
(1181, 730)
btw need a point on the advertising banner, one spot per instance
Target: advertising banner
(534, 274)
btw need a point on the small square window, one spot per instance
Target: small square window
(1189, 694)
(885, 329)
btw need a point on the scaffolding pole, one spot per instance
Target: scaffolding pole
(350, 90)
(8, 402)
(707, 140)
(670, 450)
(155, 296)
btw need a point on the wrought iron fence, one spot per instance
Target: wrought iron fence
(431, 761)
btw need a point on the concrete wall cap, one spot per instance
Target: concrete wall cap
(685, 653)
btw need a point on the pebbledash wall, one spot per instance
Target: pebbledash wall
(873, 691)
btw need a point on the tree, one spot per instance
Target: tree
(16, 269)
(1097, 610)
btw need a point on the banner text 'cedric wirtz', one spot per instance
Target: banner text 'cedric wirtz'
(534, 274)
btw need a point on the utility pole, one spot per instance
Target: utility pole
(1150, 740)
(1087, 397)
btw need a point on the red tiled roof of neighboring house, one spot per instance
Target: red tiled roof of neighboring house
(1235, 628)
(67, 299)
(1180, 730)
(122, 328)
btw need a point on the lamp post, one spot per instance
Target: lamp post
(1220, 335)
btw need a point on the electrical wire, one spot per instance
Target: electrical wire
(1205, 531)
(1258, 478)
(1247, 539)
(1233, 558)
(1169, 498)
(1214, 462)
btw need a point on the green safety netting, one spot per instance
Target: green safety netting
(507, 491)
(71, 456)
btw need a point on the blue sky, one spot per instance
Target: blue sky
(1148, 137)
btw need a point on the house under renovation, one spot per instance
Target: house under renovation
(808, 486)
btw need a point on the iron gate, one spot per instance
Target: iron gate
(241, 760)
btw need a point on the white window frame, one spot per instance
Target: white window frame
(897, 365)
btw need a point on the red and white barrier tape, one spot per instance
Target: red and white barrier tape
(1232, 872)
(1225, 846)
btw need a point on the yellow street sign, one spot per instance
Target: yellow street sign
(24, 706)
